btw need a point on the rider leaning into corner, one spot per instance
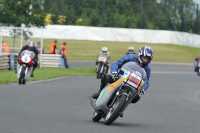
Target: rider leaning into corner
(30, 46)
(144, 57)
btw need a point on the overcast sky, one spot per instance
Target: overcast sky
(197, 1)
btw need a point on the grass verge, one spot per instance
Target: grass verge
(7, 77)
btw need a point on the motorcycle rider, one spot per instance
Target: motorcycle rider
(30, 46)
(196, 63)
(144, 57)
(104, 52)
(130, 50)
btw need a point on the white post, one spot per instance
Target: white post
(1, 40)
(41, 49)
(22, 29)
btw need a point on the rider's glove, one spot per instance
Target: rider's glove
(142, 92)
(114, 75)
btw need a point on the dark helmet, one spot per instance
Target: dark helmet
(145, 55)
(30, 45)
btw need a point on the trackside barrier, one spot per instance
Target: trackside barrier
(49, 60)
(4, 61)
(9, 61)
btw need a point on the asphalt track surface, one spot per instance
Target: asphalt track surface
(170, 105)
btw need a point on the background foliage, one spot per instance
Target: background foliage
(177, 15)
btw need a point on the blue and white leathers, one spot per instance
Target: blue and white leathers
(127, 58)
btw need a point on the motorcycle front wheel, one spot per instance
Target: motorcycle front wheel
(99, 72)
(22, 76)
(115, 110)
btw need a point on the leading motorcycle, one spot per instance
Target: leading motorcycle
(25, 68)
(115, 97)
(102, 66)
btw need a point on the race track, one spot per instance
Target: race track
(170, 105)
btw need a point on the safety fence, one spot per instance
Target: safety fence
(49, 60)
(4, 61)
(9, 61)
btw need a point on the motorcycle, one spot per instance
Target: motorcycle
(25, 68)
(102, 67)
(198, 65)
(115, 97)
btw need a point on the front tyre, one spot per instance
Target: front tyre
(115, 110)
(96, 116)
(99, 72)
(22, 76)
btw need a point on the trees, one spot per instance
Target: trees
(144, 14)
(17, 12)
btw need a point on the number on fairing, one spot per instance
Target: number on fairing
(26, 59)
(102, 58)
(134, 80)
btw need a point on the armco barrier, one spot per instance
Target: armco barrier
(4, 61)
(49, 60)
(9, 61)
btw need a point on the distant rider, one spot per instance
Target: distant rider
(143, 58)
(104, 52)
(196, 60)
(130, 50)
(30, 46)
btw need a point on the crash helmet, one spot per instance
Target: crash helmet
(30, 45)
(145, 55)
(104, 50)
(130, 49)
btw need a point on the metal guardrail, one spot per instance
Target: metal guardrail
(49, 60)
(4, 61)
(9, 61)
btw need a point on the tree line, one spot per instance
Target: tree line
(177, 15)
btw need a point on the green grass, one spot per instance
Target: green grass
(88, 50)
(7, 77)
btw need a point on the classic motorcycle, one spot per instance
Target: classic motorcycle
(198, 66)
(25, 68)
(115, 97)
(102, 68)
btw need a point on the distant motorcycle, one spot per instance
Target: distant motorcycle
(25, 68)
(115, 97)
(102, 68)
(198, 66)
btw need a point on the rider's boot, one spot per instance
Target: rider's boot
(105, 79)
(135, 99)
(96, 95)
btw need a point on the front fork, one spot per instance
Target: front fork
(119, 93)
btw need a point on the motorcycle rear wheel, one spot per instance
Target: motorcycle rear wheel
(115, 110)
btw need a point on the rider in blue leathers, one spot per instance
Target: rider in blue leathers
(143, 58)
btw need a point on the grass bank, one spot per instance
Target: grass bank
(88, 50)
(7, 77)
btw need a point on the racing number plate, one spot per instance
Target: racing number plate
(134, 80)
(102, 58)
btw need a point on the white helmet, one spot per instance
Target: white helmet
(31, 45)
(104, 50)
(130, 49)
